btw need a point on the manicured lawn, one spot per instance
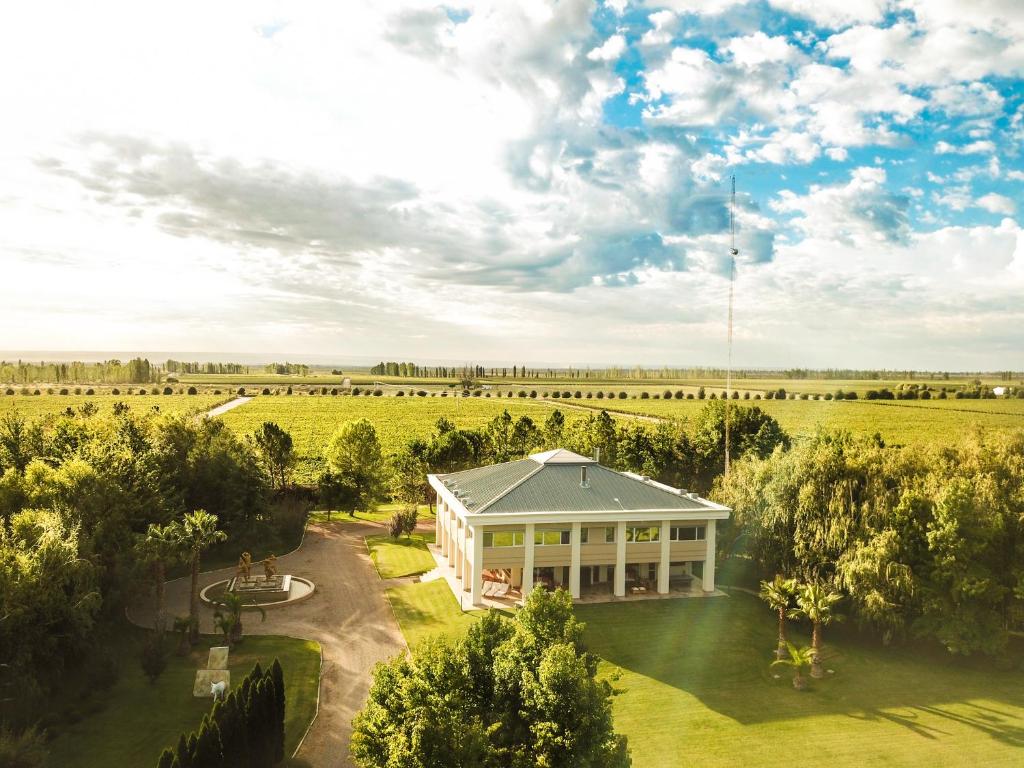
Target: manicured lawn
(693, 685)
(139, 720)
(429, 608)
(406, 556)
(379, 515)
(696, 672)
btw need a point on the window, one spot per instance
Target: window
(645, 534)
(584, 535)
(548, 538)
(687, 533)
(504, 538)
(609, 534)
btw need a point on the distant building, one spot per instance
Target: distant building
(564, 520)
(999, 391)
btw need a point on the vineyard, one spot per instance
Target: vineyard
(312, 420)
(36, 406)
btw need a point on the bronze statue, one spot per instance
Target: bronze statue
(244, 566)
(270, 567)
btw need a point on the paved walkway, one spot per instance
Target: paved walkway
(229, 405)
(348, 615)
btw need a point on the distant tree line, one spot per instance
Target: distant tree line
(135, 371)
(178, 366)
(287, 369)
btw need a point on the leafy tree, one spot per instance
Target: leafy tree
(274, 447)
(815, 603)
(354, 453)
(779, 594)
(799, 659)
(195, 532)
(153, 658)
(408, 475)
(554, 424)
(336, 491)
(512, 693)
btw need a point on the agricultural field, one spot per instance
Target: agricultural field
(313, 420)
(36, 406)
(914, 422)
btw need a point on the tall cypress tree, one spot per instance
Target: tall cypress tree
(232, 733)
(255, 727)
(184, 753)
(209, 753)
(166, 759)
(277, 678)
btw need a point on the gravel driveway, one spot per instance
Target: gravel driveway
(348, 615)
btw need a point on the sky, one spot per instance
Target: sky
(517, 181)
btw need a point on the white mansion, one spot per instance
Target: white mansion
(562, 519)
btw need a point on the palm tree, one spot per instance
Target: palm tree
(228, 617)
(159, 545)
(779, 593)
(815, 603)
(195, 532)
(799, 659)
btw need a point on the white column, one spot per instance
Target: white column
(460, 547)
(528, 560)
(441, 532)
(517, 577)
(620, 558)
(477, 568)
(453, 533)
(709, 558)
(666, 557)
(574, 561)
(467, 568)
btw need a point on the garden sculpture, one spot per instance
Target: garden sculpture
(244, 566)
(270, 567)
(218, 690)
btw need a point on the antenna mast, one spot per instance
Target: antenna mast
(733, 252)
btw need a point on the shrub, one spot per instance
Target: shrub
(399, 393)
(477, 392)
(556, 394)
(142, 390)
(746, 395)
(114, 391)
(533, 392)
(828, 395)
(36, 392)
(600, 395)
(589, 395)
(334, 391)
(689, 396)
(266, 391)
(168, 391)
(577, 394)
(645, 396)
(192, 391)
(622, 395)
(63, 391)
(402, 523)
(422, 393)
(90, 391)
(355, 390)
(566, 395)
(521, 393)
(241, 391)
(701, 394)
(78, 390)
(679, 394)
(377, 393)
(154, 658)
(216, 391)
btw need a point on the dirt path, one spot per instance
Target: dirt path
(348, 615)
(229, 405)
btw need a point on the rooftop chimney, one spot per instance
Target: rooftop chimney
(597, 454)
(583, 477)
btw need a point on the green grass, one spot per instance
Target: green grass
(36, 406)
(379, 515)
(407, 556)
(139, 720)
(693, 683)
(427, 609)
(313, 420)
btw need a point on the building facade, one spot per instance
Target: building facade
(564, 520)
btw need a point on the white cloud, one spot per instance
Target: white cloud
(834, 13)
(972, 148)
(973, 99)
(756, 49)
(610, 50)
(839, 154)
(1015, 175)
(993, 202)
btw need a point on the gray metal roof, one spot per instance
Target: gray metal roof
(551, 482)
